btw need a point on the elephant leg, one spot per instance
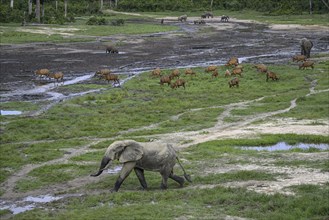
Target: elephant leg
(308, 55)
(178, 179)
(125, 171)
(164, 184)
(140, 175)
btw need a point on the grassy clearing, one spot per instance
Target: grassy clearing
(11, 34)
(14, 156)
(79, 31)
(50, 174)
(210, 202)
(194, 108)
(304, 19)
(143, 102)
(19, 106)
(205, 203)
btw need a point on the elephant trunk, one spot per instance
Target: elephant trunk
(187, 176)
(104, 163)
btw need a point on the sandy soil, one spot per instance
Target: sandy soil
(192, 45)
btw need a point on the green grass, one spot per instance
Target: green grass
(13, 33)
(197, 203)
(304, 19)
(264, 17)
(18, 106)
(14, 156)
(51, 174)
(10, 34)
(143, 102)
(126, 29)
(16, 36)
(208, 202)
(194, 108)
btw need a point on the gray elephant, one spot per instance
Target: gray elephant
(182, 18)
(111, 49)
(137, 156)
(306, 46)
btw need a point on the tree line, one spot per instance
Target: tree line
(60, 11)
(275, 7)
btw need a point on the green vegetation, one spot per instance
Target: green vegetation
(14, 156)
(211, 200)
(194, 108)
(272, 7)
(54, 33)
(202, 203)
(142, 108)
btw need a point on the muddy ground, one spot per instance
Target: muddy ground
(190, 46)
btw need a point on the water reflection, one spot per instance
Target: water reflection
(31, 202)
(8, 112)
(284, 146)
(115, 170)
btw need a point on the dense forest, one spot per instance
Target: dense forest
(60, 11)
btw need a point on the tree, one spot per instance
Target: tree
(42, 8)
(326, 3)
(12, 3)
(37, 11)
(30, 6)
(101, 8)
(310, 7)
(65, 8)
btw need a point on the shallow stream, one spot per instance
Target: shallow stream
(283, 146)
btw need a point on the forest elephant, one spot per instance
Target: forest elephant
(224, 18)
(306, 46)
(209, 14)
(182, 18)
(111, 49)
(138, 156)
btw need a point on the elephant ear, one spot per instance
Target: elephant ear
(132, 152)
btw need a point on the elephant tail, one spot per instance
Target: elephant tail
(104, 163)
(187, 176)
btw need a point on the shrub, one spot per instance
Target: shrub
(8, 14)
(96, 21)
(118, 22)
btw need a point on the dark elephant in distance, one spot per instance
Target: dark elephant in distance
(182, 18)
(306, 46)
(111, 49)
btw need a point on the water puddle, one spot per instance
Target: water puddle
(8, 112)
(50, 86)
(115, 170)
(31, 202)
(244, 59)
(16, 209)
(281, 146)
(42, 199)
(9, 61)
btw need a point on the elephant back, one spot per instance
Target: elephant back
(125, 151)
(157, 157)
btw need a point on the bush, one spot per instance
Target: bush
(96, 21)
(118, 22)
(8, 14)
